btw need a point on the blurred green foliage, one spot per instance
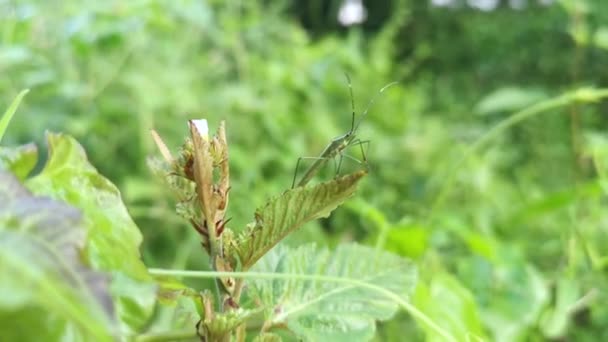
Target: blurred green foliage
(515, 251)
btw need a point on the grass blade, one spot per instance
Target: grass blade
(8, 115)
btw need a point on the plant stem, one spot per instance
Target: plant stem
(419, 315)
(584, 95)
(213, 255)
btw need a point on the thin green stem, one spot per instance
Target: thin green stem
(264, 275)
(213, 254)
(584, 95)
(10, 111)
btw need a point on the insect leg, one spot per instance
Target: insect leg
(360, 143)
(363, 152)
(310, 172)
(295, 173)
(339, 163)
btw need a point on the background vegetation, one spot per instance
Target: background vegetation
(510, 240)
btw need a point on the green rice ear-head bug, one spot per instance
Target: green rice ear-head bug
(338, 144)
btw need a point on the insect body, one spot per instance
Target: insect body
(335, 147)
(338, 144)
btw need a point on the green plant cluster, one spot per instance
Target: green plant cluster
(72, 265)
(487, 162)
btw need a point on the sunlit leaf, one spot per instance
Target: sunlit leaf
(113, 239)
(43, 278)
(286, 213)
(408, 240)
(19, 160)
(345, 309)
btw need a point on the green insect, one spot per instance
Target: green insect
(338, 144)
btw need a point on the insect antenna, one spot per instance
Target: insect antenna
(352, 101)
(371, 103)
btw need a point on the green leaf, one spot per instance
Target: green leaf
(8, 114)
(113, 238)
(286, 213)
(170, 290)
(345, 308)
(179, 307)
(408, 240)
(49, 294)
(20, 161)
(517, 303)
(514, 293)
(447, 301)
(509, 99)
